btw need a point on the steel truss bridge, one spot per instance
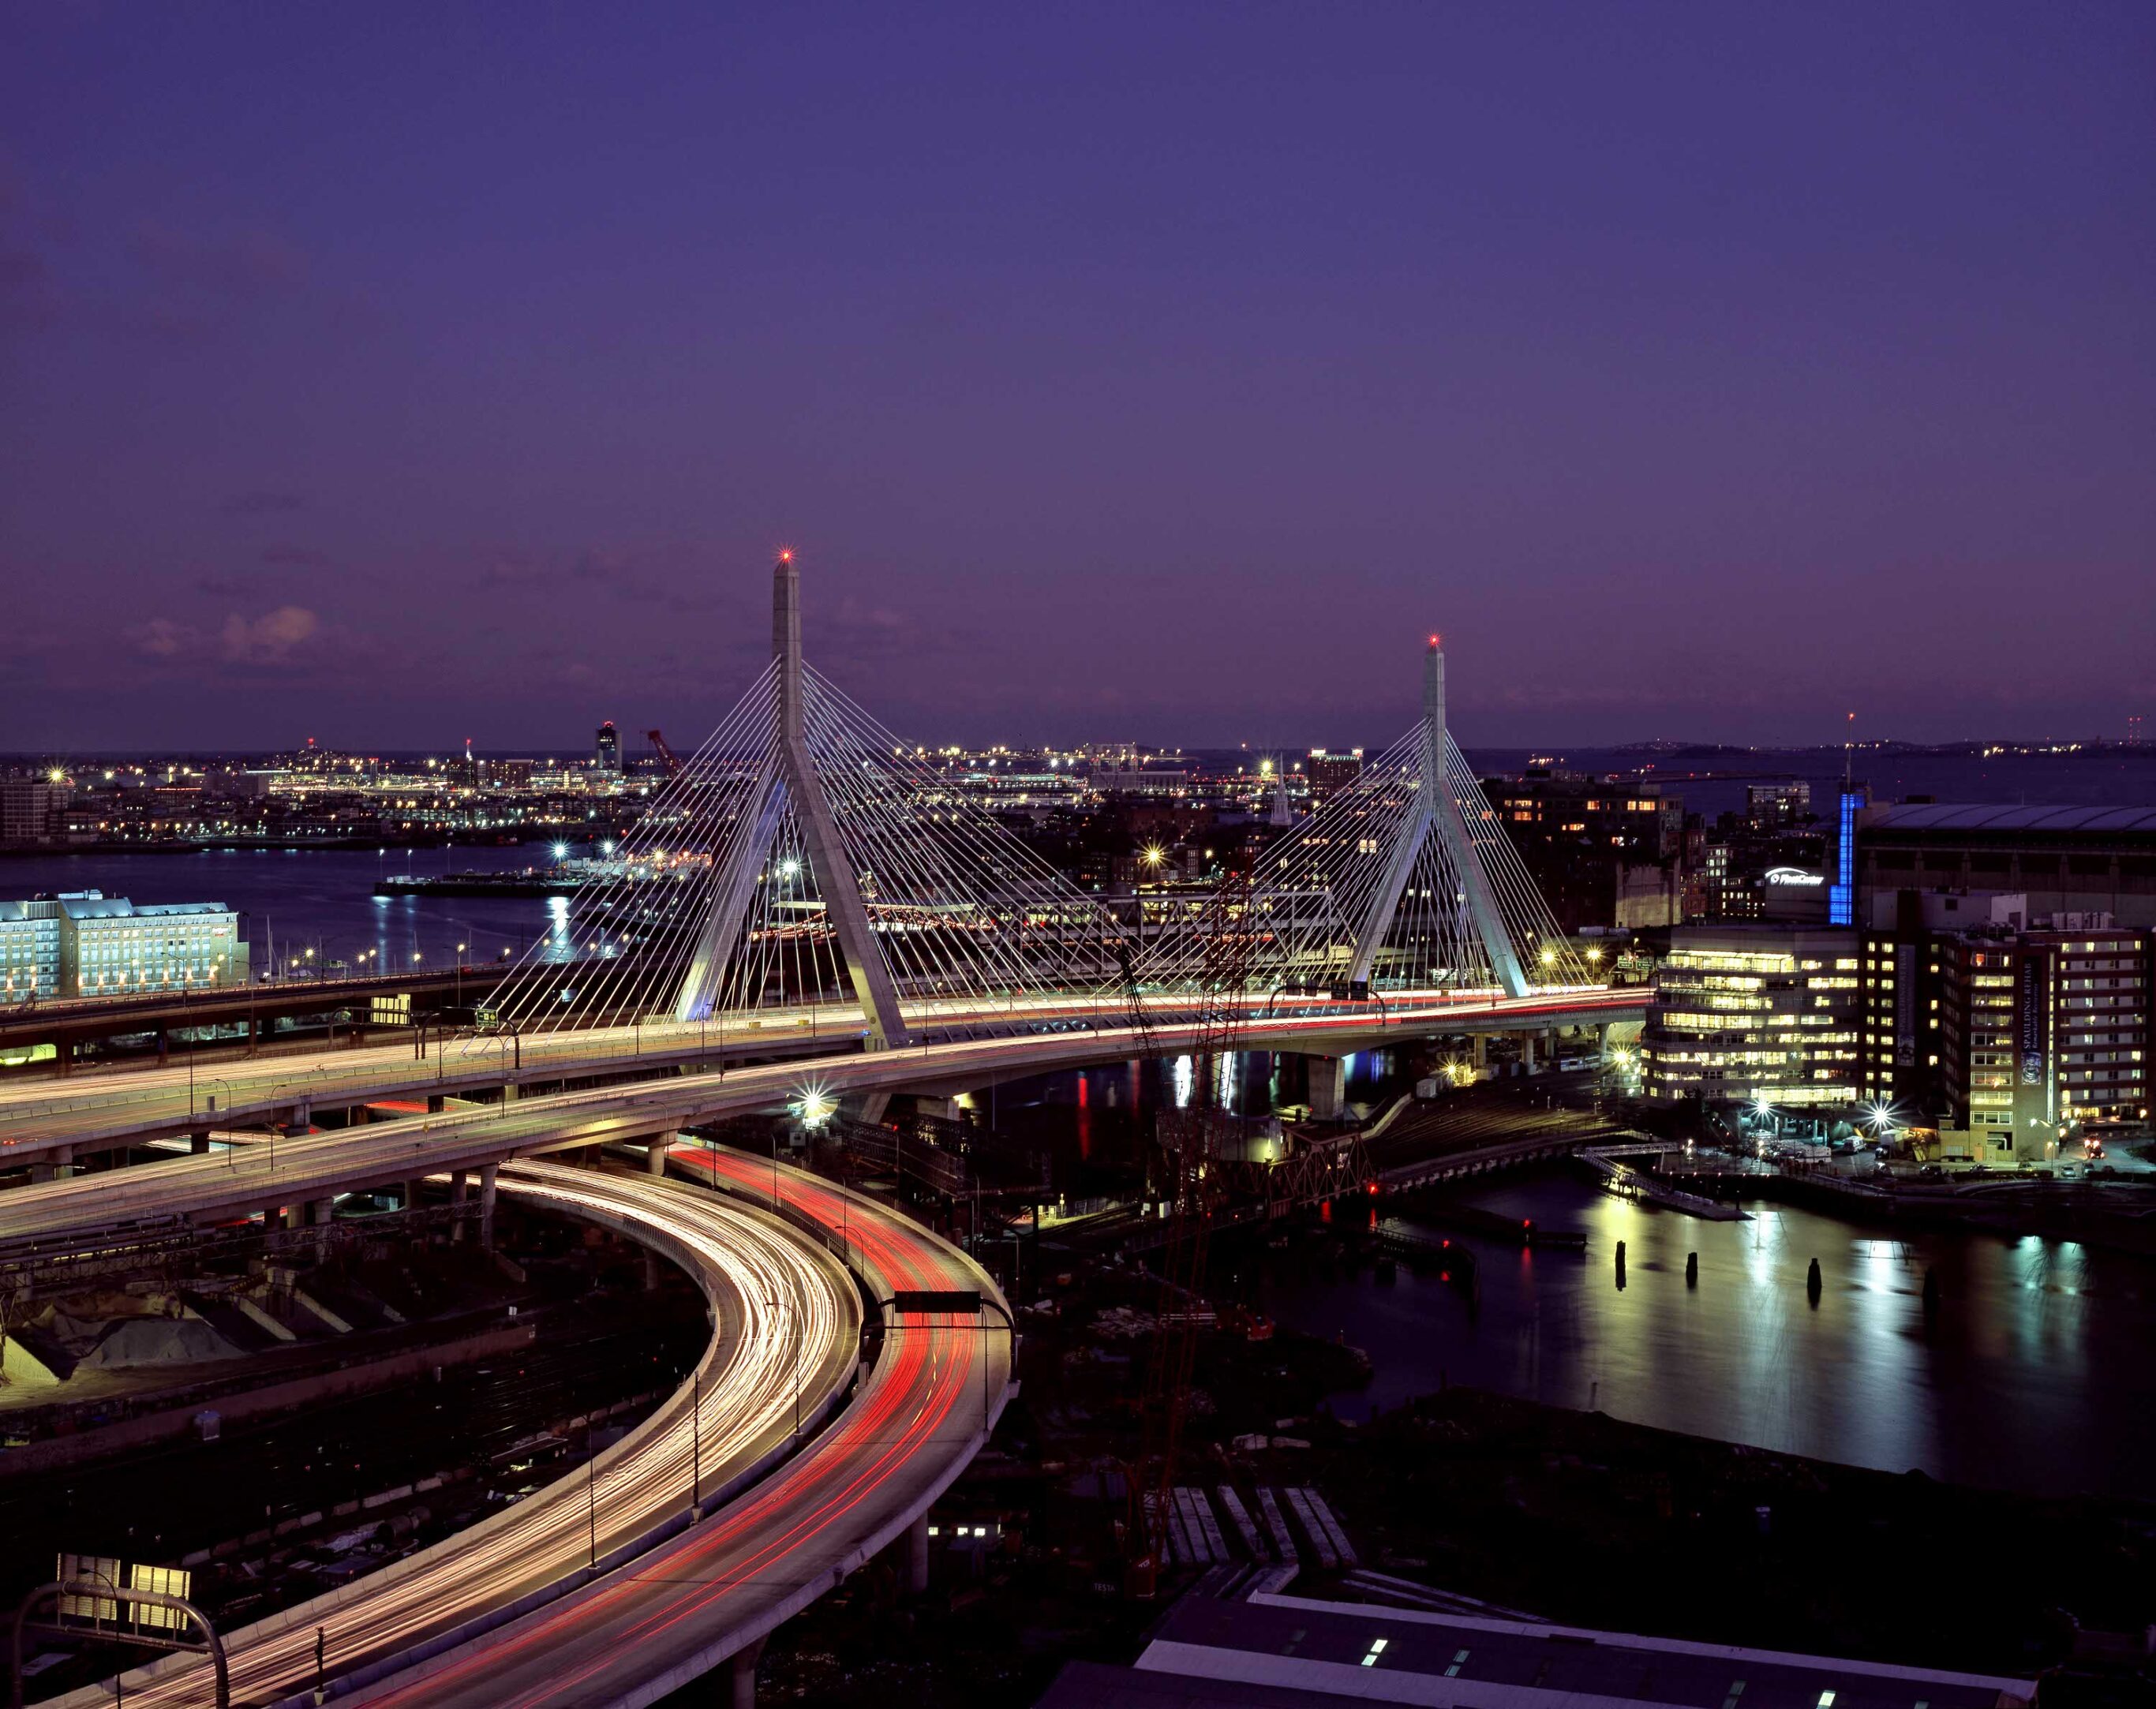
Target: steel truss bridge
(806, 904)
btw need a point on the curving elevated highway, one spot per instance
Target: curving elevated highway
(713, 1593)
(788, 1320)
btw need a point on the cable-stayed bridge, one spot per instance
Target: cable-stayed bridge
(804, 856)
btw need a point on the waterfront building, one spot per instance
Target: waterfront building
(29, 952)
(1756, 1014)
(28, 806)
(85, 943)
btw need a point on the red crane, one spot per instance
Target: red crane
(665, 753)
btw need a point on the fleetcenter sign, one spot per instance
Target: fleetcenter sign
(1794, 875)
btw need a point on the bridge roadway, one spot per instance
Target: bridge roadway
(786, 1320)
(713, 1593)
(38, 1123)
(299, 1171)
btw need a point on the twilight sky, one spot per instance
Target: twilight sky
(397, 373)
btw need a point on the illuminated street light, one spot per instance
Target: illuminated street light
(789, 868)
(1154, 855)
(561, 851)
(1880, 1118)
(813, 1106)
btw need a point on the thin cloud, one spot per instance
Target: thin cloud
(269, 638)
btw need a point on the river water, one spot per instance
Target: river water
(2036, 1373)
(318, 898)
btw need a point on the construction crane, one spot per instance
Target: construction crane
(665, 753)
(1192, 1142)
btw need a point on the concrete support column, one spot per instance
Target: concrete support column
(64, 1055)
(1602, 1040)
(57, 1165)
(164, 1045)
(873, 1106)
(1328, 1086)
(458, 1193)
(486, 1207)
(1527, 1052)
(917, 1556)
(303, 1114)
(650, 1270)
(741, 1676)
(198, 1145)
(411, 1194)
(322, 1212)
(654, 1154)
(1480, 1043)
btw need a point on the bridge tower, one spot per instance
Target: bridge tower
(790, 775)
(1439, 811)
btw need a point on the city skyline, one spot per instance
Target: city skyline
(1701, 379)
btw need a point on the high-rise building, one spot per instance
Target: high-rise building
(606, 748)
(1603, 851)
(1331, 772)
(1755, 1014)
(27, 806)
(1773, 807)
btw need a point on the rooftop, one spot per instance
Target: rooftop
(1947, 816)
(1290, 1651)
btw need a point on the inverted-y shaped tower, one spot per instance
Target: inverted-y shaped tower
(790, 775)
(1439, 812)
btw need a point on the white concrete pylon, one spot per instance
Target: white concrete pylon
(1437, 811)
(791, 780)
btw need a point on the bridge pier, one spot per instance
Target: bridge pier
(457, 1195)
(58, 1165)
(874, 1105)
(917, 1556)
(1328, 1086)
(1479, 1044)
(486, 1175)
(741, 1676)
(198, 1144)
(654, 1154)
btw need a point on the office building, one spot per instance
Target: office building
(28, 806)
(1759, 1013)
(1773, 807)
(83, 943)
(29, 952)
(1330, 772)
(1604, 851)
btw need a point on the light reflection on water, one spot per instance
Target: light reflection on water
(2036, 1374)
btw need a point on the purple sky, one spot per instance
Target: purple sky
(392, 374)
